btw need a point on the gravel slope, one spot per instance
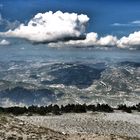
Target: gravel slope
(122, 124)
(13, 129)
(78, 127)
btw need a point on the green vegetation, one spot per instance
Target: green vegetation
(129, 109)
(70, 108)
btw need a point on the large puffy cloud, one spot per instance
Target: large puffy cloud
(108, 40)
(59, 27)
(133, 40)
(67, 29)
(90, 40)
(51, 27)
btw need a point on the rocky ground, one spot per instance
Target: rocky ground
(118, 123)
(14, 129)
(87, 126)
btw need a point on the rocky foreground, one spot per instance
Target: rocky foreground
(12, 128)
(118, 123)
(87, 126)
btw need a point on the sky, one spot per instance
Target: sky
(103, 13)
(107, 17)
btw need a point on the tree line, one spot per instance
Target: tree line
(70, 108)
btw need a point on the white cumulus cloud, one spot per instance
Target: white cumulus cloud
(108, 40)
(65, 29)
(90, 40)
(4, 42)
(133, 40)
(49, 26)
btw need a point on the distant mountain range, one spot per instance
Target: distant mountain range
(70, 83)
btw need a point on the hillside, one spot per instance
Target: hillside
(12, 128)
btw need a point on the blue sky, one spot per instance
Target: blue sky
(102, 13)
